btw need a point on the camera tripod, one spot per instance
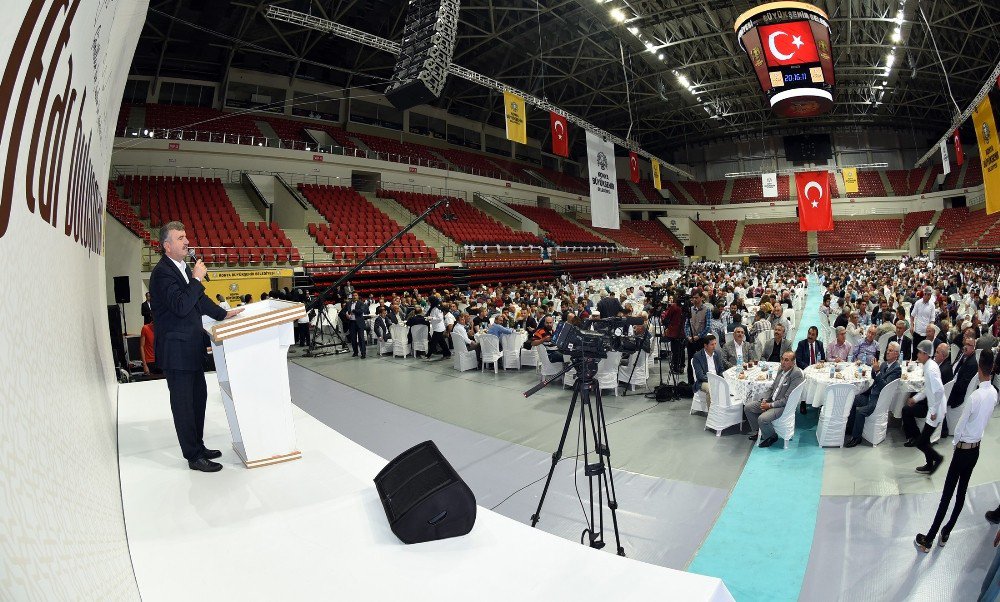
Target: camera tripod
(591, 419)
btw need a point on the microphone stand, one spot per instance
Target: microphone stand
(319, 302)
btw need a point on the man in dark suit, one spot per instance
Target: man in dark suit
(905, 343)
(709, 359)
(810, 351)
(352, 314)
(864, 403)
(609, 306)
(964, 369)
(942, 356)
(181, 341)
(147, 310)
(381, 326)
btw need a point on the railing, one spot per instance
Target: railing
(432, 190)
(347, 256)
(176, 172)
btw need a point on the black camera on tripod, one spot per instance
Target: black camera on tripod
(608, 334)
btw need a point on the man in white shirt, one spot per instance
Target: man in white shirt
(937, 405)
(922, 314)
(968, 435)
(460, 332)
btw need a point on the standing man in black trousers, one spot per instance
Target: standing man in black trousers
(181, 342)
(354, 315)
(968, 434)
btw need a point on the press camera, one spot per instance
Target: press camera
(609, 334)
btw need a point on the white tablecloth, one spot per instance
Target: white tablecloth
(751, 387)
(818, 379)
(912, 381)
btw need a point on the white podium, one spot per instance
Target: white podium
(251, 361)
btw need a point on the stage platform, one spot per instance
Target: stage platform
(314, 529)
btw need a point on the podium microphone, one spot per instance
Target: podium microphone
(195, 257)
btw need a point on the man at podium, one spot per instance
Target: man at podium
(181, 341)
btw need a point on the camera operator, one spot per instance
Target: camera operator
(697, 326)
(672, 320)
(543, 336)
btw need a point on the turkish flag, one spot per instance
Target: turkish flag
(815, 208)
(959, 155)
(633, 167)
(788, 44)
(560, 134)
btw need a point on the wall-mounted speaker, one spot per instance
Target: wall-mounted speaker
(123, 293)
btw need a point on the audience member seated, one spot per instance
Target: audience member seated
(762, 414)
(864, 403)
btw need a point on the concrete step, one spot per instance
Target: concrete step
(241, 202)
(636, 189)
(812, 242)
(306, 244)
(885, 181)
(431, 236)
(266, 129)
(727, 194)
(737, 236)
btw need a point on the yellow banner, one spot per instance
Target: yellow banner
(989, 152)
(516, 114)
(656, 174)
(850, 179)
(233, 285)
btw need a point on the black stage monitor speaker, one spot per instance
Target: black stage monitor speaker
(428, 44)
(123, 293)
(117, 341)
(423, 497)
(689, 251)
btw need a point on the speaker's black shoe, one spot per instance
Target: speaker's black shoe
(211, 454)
(769, 441)
(852, 442)
(204, 465)
(944, 537)
(754, 436)
(910, 443)
(802, 407)
(993, 515)
(923, 544)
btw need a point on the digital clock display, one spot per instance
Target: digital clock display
(796, 77)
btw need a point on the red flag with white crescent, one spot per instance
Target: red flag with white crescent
(815, 208)
(959, 155)
(788, 44)
(633, 167)
(560, 134)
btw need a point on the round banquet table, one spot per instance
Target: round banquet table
(911, 381)
(817, 379)
(754, 385)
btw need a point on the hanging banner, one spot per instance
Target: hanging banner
(560, 134)
(769, 184)
(984, 119)
(633, 167)
(945, 163)
(959, 153)
(516, 116)
(656, 174)
(850, 179)
(815, 208)
(603, 182)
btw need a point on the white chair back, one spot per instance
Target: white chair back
(489, 350)
(699, 401)
(784, 426)
(547, 367)
(400, 346)
(463, 357)
(725, 410)
(853, 339)
(883, 342)
(877, 424)
(607, 371)
(789, 316)
(511, 352)
(833, 417)
(636, 371)
(419, 333)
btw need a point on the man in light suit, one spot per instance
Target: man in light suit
(760, 414)
(776, 348)
(739, 347)
(705, 361)
(864, 403)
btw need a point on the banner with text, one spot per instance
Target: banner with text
(656, 174)
(984, 118)
(516, 115)
(769, 184)
(603, 182)
(850, 179)
(945, 163)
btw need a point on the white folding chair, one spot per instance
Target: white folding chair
(883, 342)
(789, 316)
(833, 417)
(877, 424)
(548, 369)
(636, 371)
(489, 350)
(385, 347)
(419, 334)
(400, 346)
(726, 410)
(699, 400)
(607, 371)
(463, 357)
(511, 352)
(729, 337)
(784, 426)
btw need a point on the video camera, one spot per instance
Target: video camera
(608, 334)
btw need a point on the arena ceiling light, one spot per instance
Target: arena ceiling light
(618, 15)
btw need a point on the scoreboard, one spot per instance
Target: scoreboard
(788, 44)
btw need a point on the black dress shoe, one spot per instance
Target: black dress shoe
(925, 469)
(937, 464)
(944, 537)
(852, 442)
(802, 407)
(211, 454)
(993, 515)
(753, 437)
(923, 544)
(204, 465)
(354, 355)
(769, 441)
(910, 443)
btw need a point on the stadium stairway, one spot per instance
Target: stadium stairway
(885, 181)
(241, 202)
(431, 236)
(636, 189)
(737, 237)
(266, 129)
(572, 217)
(727, 195)
(306, 244)
(812, 241)
(923, 184)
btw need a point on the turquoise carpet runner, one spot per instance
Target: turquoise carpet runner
(759, 546)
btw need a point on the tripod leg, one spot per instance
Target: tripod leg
(556, 456)
(601, 426)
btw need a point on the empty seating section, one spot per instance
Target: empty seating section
(574, 184)
(965, 229)
(212, 225)
(656, 232)
(356, 227)
(474, 164)
(626, 194)
(676, 193)
(629, 239)
(780, 238)
(869, 184)
(472, 226)
(951, 180)
(973, 173)
(200, 119)
(857, 236)
(931, 182)
(714, 191)
(124, 213)
(905, 182)
(383, 283)
(694, 190)
(747, 190)
(398, 151)
(288, 129)
(784, 188)
(721, 231)
(650, 192)
(912, 221)
(834, 190)
(123, 114)
(558, 228)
